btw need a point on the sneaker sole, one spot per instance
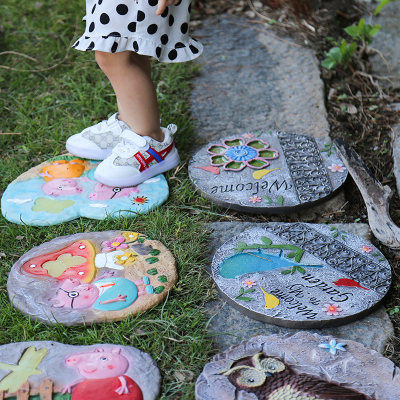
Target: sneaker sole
(171, 162)
(90, 154)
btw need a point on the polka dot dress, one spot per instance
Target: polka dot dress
(119, 25)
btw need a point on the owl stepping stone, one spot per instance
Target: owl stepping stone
(301, 275)
(302, 366)
(267, 172)
(64, 188)
(91, 277)
(101, 372)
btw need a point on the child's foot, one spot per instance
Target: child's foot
(97, 141)
(138, 158)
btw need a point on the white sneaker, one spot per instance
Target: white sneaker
(97, 141)
(138, 158)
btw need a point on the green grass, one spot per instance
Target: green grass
(48, 106)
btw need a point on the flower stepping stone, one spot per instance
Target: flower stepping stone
(101, 372)
(267, 172)
(301, 275)
(64, 188)
(299, 366)
(92, 277)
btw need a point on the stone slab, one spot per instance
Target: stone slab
(301, 275)
(387, 43)
(64, 188)
(302, 365)
(229, 326)
(88, 372)
(91, 277)
(267, 171)
(253, 79)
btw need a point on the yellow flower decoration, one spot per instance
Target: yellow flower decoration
(129, 257)
(131, 236)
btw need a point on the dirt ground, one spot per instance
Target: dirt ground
(359, 109)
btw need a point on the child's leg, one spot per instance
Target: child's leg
(130, 77)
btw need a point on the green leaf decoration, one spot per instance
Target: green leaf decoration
(240, 247)
(268, 200)
(243, 298)
(249, 291)
(266, 240)
(293, 270)
(162, 278)
(301, 270)
(152, 260)
(155, 252)
(241, 291)
(333, 229)
(336, 234)
(140, 240)
(286, 272)
(152, 271)
(159, 289)
(280, 200)
(290, 255)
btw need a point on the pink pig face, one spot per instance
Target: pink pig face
(75, 295)
(62, 187)
(99, 363)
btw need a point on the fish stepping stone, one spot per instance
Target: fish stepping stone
(64, 188)
(92, 277)
(301, 275)
(267, 172)
(299, 366)
(101, 372)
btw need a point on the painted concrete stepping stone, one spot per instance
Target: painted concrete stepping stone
(301, 275)
(267, 172)
(91, 277)
(302, 366)
(55, 370)
(64, 188)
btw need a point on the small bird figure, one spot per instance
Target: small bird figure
(271, 379)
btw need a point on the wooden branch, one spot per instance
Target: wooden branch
(376, 197)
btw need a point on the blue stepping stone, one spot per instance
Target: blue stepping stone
(64, 188)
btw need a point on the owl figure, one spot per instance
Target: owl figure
(271, 379)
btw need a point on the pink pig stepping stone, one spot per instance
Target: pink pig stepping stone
(101, 371)
(92, 277)
(64, 188)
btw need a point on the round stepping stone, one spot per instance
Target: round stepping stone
(91, 277)
(301, 275)
(64, 188)
(267, 172)
(299, 366)
(101, 372)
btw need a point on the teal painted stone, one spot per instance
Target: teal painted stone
(64, 188)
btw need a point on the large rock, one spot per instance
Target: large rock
(386, 63)
(252, 79)
(230, 326)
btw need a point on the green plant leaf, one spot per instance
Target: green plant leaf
(268, 199)
(336, 234)
(280, 200)
(162, 278)
(241, 291)
(291, 255)
(286, 272)
(155, 252)
(249, 291)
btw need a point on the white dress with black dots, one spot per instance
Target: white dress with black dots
(120, 25)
